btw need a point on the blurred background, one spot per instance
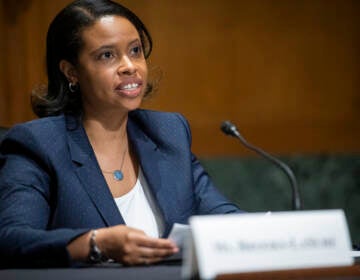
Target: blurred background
(286, 72)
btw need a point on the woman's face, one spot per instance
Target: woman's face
(111, 69)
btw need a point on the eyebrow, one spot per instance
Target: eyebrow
(113, 46)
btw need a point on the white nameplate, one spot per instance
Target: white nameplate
(257, 242)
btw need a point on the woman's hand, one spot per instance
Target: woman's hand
(132, 247)
(125, 245)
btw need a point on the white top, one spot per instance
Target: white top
(139, 210)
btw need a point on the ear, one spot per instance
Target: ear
(69, 71)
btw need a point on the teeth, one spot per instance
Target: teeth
(131, 86)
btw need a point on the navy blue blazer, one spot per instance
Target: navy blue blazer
(52, 189)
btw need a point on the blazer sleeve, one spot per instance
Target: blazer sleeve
(26, 199)
(208, 197)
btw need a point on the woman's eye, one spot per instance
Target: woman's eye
(106, 55)
(136, 50)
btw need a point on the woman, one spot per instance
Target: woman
(97, 178)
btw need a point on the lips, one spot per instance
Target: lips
(130, 88)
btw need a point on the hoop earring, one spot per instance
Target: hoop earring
(73, 87)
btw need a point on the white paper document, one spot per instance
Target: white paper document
(179, 234)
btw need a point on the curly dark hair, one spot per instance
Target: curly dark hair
(64, 42)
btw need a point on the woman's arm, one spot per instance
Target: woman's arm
(123, 244)
(28, 200)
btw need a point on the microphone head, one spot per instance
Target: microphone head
(229, 128)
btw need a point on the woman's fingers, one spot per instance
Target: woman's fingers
(150, 242)
(150, 250)
(154, 249)
(133, 247)
(155, 252)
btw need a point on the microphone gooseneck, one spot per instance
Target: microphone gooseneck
(230, 129)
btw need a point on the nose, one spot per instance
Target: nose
(126, 66)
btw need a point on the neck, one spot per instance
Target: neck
(105, 133)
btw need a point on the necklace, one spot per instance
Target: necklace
(118, 175)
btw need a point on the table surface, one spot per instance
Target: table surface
(329, 273)
(158, 272)
(171, 272)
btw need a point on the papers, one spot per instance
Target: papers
(179, 234)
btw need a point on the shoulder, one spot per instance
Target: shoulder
(157, 117)
(159, 120)
(161, 125)
(42, 127)
(45, 130)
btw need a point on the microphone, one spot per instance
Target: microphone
(230, 129)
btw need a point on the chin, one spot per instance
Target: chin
(131, 106)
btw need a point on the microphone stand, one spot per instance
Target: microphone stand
(230, 129)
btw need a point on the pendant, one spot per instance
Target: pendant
(118, 175)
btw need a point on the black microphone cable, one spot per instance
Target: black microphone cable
(230, 129)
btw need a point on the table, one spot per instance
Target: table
(171, 272)
(153, 272)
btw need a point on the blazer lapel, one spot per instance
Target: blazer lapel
(89, 174)
(156, 170)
